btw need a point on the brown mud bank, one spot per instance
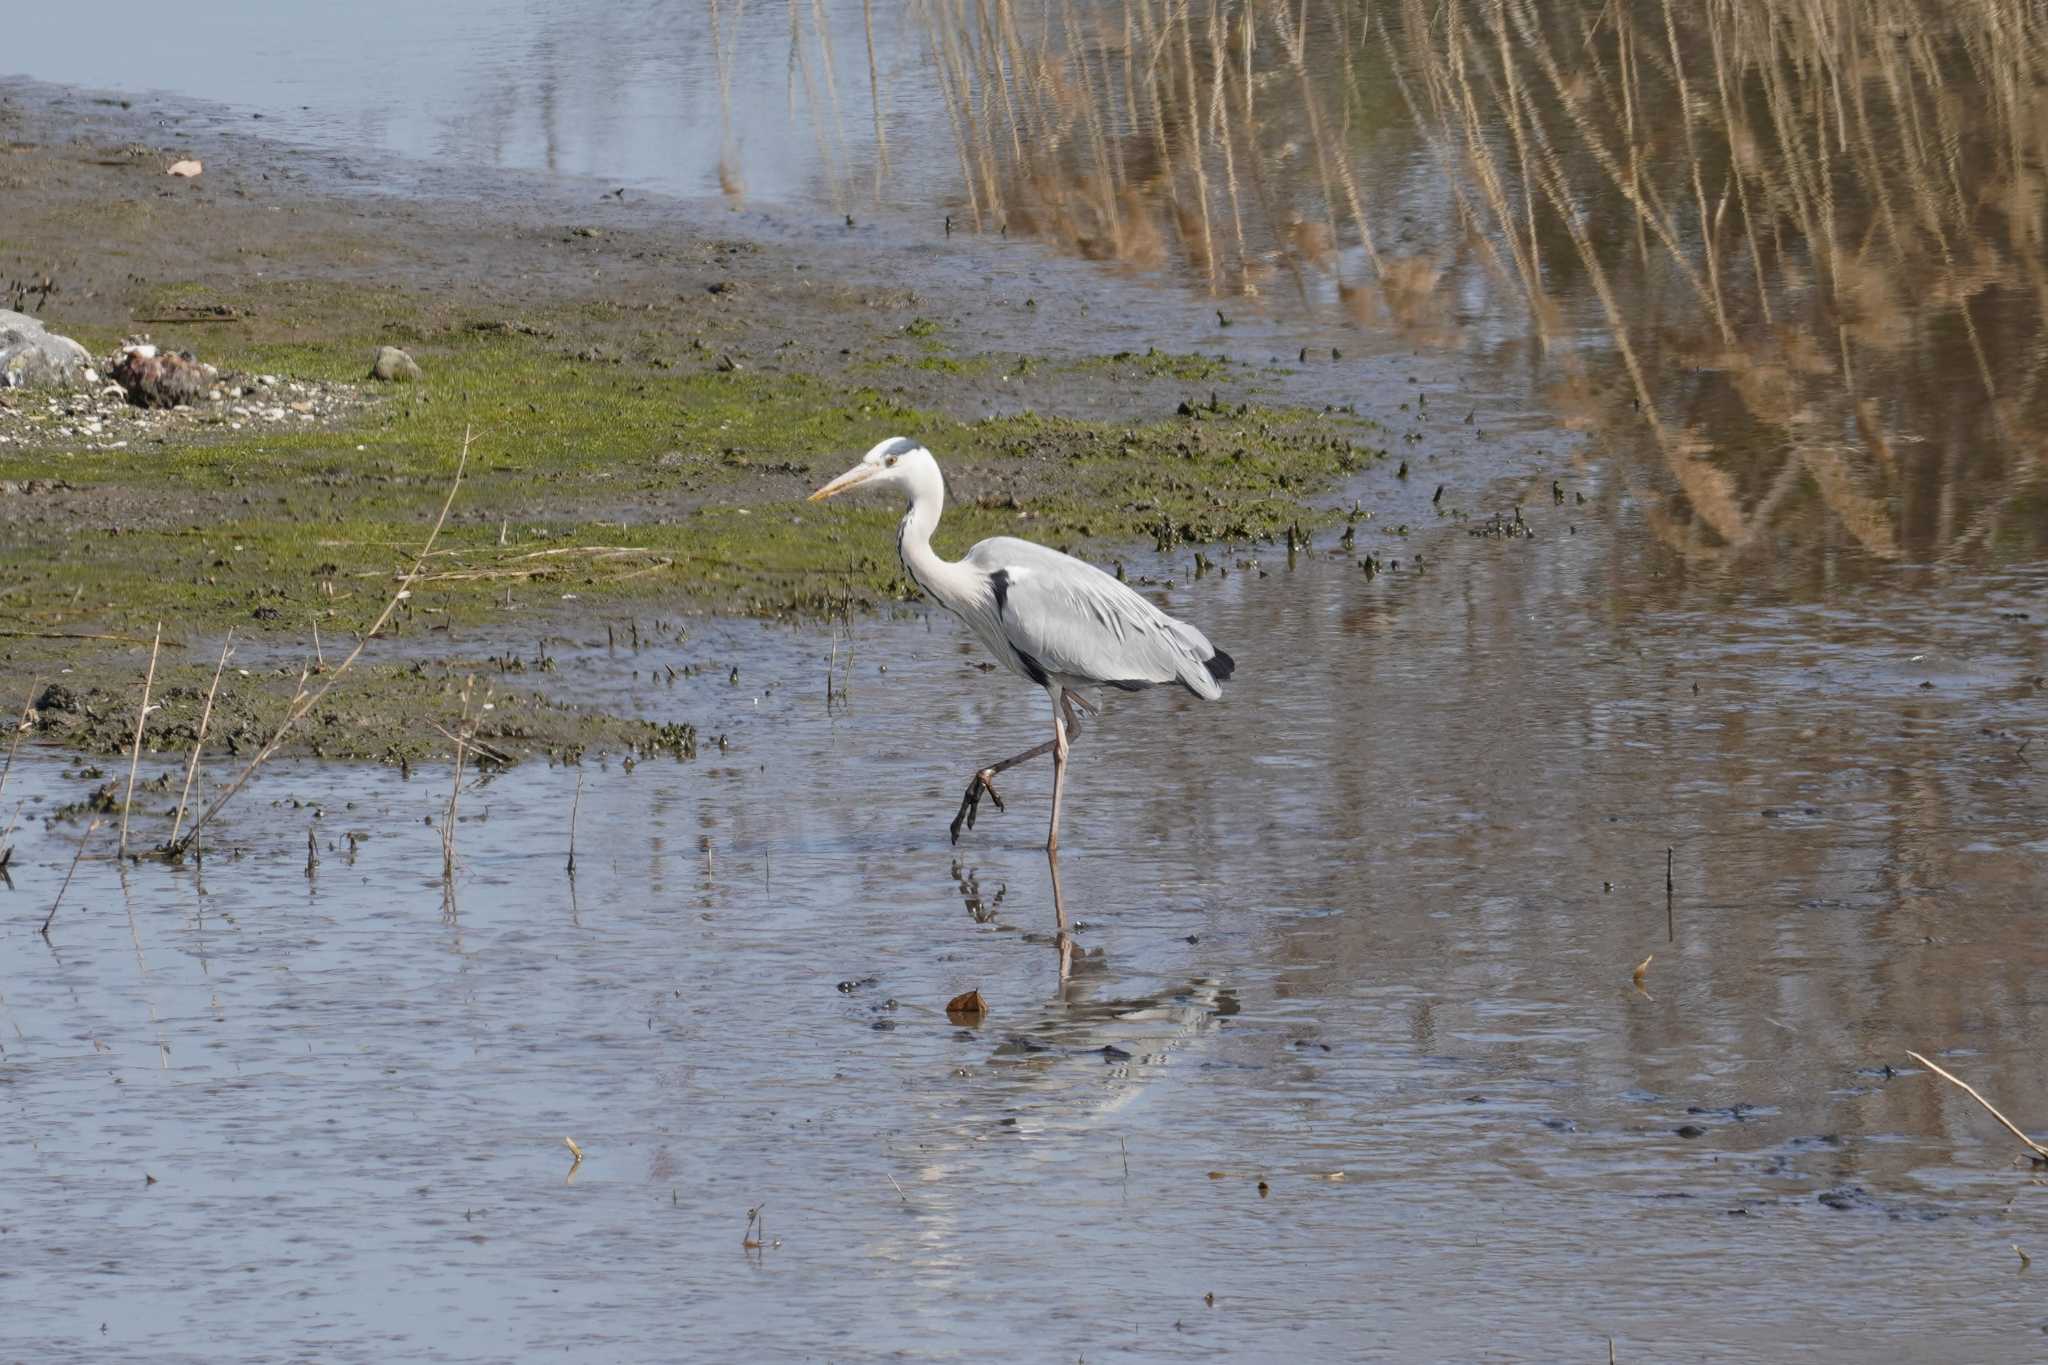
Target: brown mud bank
(650, 405)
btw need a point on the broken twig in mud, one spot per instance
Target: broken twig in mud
(305, 703)
(199, 740)
(135, 753)
(2040, 1152)
(83, 840)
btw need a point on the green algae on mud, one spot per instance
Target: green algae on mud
(654, 477)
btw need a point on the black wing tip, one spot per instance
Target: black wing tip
(1220, 666)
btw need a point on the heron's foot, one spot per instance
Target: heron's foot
(970, 804)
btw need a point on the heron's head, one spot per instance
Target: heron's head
(898, 463)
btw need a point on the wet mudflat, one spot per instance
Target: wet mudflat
(1368, 956)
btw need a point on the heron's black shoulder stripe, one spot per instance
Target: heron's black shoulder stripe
(1000, 581)
(1033, 669)
(1220, 666)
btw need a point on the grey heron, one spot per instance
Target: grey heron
(1048, 617)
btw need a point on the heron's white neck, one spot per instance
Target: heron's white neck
(952, 584)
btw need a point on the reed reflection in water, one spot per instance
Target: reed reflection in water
(1790, 253)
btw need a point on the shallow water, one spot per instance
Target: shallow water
(1389, 940)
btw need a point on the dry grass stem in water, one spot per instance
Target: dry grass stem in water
(2040, 1152)
(21, 726)
(306, 702)
(135, 752)
(462, 735)
(83, 840)
(199, 740)
(574, 806)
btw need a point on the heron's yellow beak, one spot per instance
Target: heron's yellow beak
(859, 474)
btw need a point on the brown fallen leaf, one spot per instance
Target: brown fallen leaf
(1642, 969)
(966, 1005)
(187, 169)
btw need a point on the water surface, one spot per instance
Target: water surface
(1375, 955)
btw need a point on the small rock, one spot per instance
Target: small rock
(33, 356)
(393, 366)
(185, 169)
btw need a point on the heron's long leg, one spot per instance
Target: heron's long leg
(983, 781)
(1061, 936)
(1060, 744)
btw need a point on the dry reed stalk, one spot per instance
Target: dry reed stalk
(1640, 196)
(135, 751)
(867, 17)
(462, 730)
(1718, 45)
(1699, 188)
(574, 806)
(199, 739)
(83, 839)
(830, 63)
(7, 849)
(800, 64)
(1194, 140)
(2040, 1152)
(21, 725)
(301, 702)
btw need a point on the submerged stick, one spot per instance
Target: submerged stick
(83, 840)
(574, 806)
(199, 740)
(1670, 914)
(135, 752)
(304, 703)
(2040, 1152)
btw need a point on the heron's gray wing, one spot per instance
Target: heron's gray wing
(1075, 621)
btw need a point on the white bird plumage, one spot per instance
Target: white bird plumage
(1064, 624)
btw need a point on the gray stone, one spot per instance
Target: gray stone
(33, 357)
(394, 366)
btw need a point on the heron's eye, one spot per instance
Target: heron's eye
(888, 459)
